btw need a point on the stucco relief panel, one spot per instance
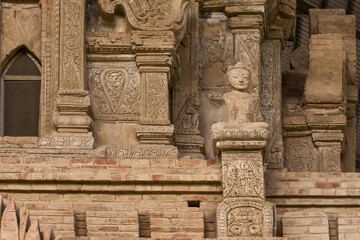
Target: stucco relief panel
(20, 25)
(114, 91)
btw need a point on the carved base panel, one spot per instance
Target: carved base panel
(148, 134)
(67, 142)
(245, 217)
(143, 152)
(191, 146)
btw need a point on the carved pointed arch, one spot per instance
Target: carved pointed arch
(155, 15)
(14, 52)
(20, 95)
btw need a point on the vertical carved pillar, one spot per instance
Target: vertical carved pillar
(72, 101)
(156, 127)
(240, 142)
(244, 211)
(271, 101)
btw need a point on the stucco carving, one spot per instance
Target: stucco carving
(115, 91)
(245, 218)
(243, 179)
(149, 15)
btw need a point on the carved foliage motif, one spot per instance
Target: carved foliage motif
(142, 152)
(218, 47)
(150, 15)
(115, 92)
(331, 158)
(245, 222)
(243, 179)
(156, 96)
(300, 155)
(76, 142)
(72, 49)
(271, 102)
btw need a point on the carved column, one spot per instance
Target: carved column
(72, 101)
(280, 29)
(244, 211)
(241, 141)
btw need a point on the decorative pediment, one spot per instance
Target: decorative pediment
(150, 15)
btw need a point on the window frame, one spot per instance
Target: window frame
(4, 77)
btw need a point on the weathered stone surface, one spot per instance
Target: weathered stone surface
(156, 114)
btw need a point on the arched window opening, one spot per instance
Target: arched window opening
(20, 96)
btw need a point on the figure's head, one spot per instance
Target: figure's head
(115, 79)
(239, 77)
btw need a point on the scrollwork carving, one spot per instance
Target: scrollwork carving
(149, 15)
(72, 59)
(156, 96)
(143, 152)
(115, 92)
(243, 179)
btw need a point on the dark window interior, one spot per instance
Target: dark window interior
(21, 97)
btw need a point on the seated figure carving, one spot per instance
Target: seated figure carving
(243, 106)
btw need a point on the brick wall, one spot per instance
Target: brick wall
(349, 227)
(305, 225)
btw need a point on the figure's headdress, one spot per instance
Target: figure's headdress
(239, 65)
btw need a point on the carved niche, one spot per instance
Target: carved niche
(215, 54)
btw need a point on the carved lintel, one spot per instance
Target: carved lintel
(216, 5)
(328, 137)
(246, 22)
(151, 134)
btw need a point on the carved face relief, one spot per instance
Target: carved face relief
(113, 83)
(245, 222)
(239, 78)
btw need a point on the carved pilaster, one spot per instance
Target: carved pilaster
(71, 117)
(154, 109)
(328, 144)
(271, 100)
(186, 100)
(244, 211)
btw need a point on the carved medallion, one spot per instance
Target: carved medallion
(114, 91)
(114, 83)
